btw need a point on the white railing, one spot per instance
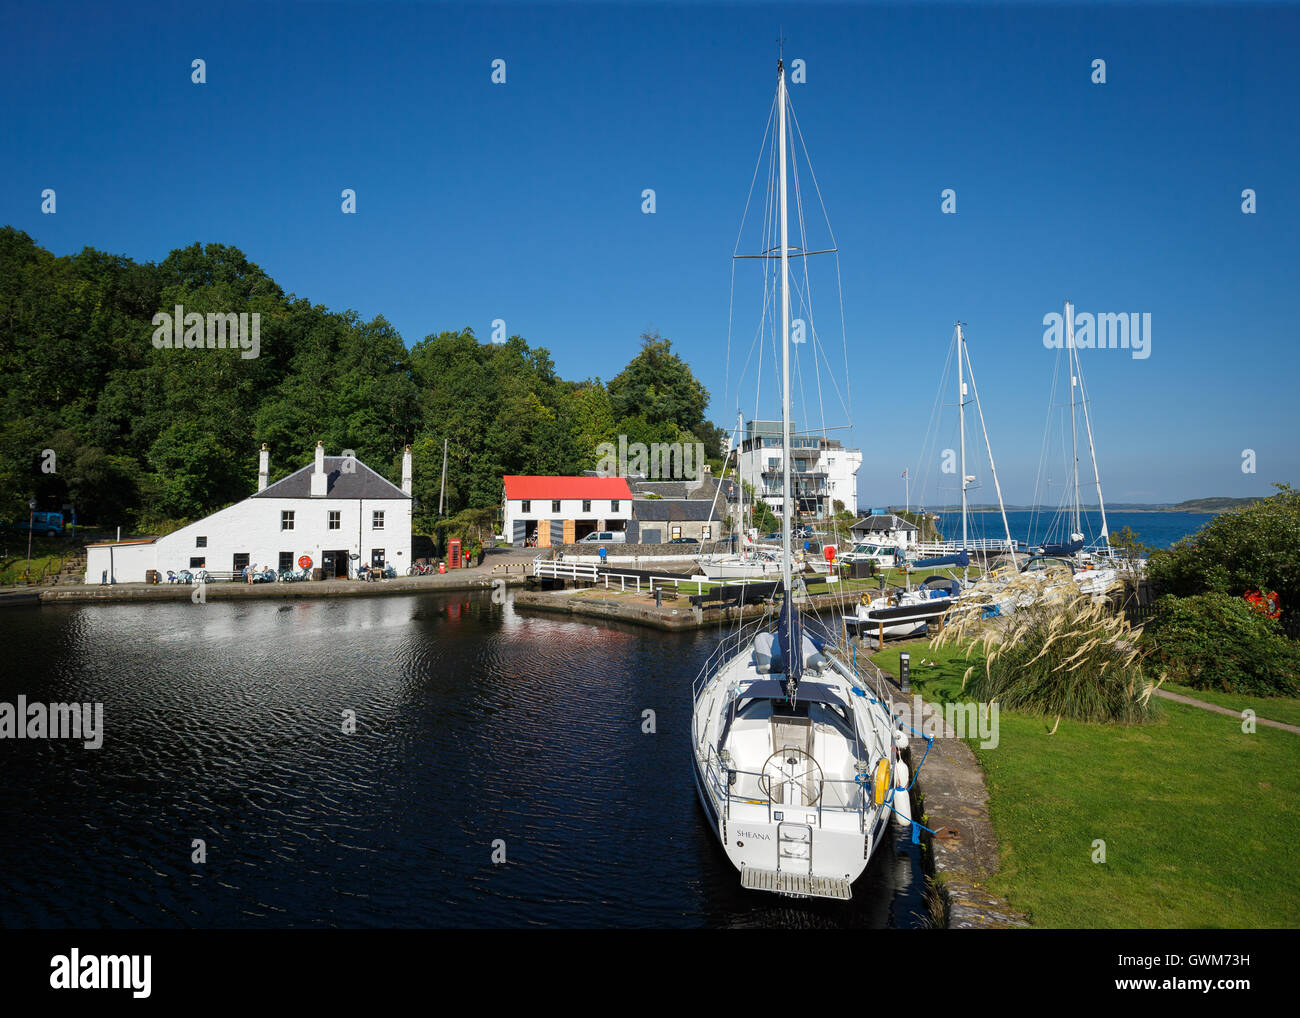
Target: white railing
(564, 570)
(556, 570)
(927, 549)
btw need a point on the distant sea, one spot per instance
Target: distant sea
(1154, 529)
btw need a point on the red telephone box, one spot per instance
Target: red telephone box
(453, 553)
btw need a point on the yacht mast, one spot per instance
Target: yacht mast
(989, 448)
(1074, 423)
(1096, 475)
(785, 355)
(794, 641)
(961, 416)
(740, 477)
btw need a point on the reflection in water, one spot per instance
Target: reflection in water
(224, 722)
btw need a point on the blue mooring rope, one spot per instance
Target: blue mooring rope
(917, 826)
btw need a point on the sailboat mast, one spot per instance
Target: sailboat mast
(1074, 422)
(988, 446)
(442, 491)
(787, 527)
(961, 416)
(740, 477)
(1096, 474)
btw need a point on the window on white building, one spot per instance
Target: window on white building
(336, 519)
(613, 505)
(377, 520)
(286, 519)
(526, 506)
(200, 542)
(586, 505)
(555, 505)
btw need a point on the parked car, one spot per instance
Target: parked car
(605, 537)
(867, 552)
(684, 540)
(49, 524)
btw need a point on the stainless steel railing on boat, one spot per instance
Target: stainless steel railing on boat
(719, 779)
(724, 651)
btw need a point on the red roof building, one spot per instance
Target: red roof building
(520, 487)
(552, 510)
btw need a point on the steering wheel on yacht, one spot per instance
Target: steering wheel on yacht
(792, 766)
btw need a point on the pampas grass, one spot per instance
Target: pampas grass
(1066, 656)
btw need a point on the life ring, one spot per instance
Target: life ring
(882, 783)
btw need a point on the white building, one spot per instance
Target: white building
(337, 513)
(823, 471)
(884, 528)
(552, 510)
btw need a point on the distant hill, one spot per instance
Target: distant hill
(1214, 505)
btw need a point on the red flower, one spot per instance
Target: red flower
(1266, 603)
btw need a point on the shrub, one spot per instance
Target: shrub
(1218, 641)
(1069, 658)
(1256, 548)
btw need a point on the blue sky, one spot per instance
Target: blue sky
(523, 201)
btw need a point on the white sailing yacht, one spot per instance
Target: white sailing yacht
(1059, 568)
(749, 561)
(910, 612)
(1092, 565)
(795, 755)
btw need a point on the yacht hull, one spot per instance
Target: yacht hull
(779, 839)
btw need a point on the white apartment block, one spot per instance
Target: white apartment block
(823, 471)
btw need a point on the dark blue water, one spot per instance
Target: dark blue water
(475, 724)
(1155, 530)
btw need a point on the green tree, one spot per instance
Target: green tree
(1255, 548)
(657, 385)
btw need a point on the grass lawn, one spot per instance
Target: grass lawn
(1198, 819)
(13, 567)
(1275, 708)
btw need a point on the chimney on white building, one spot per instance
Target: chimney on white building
(319, 479)
(263, 468)
(406, 471)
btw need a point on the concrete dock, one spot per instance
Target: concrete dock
(676, 613)
(500, 574)
(950, 798)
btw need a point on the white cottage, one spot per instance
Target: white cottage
(333, 515)
(885, 529)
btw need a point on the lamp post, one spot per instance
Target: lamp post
(31, 523)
